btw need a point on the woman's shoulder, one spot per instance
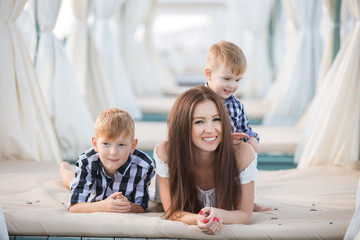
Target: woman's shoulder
(160, 151)
(246, 156)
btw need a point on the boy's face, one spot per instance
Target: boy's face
(222, 81)
(113, 153)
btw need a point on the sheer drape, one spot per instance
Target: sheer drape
(109, 50)
(353, 231)
(332, 133)
(163, 75)
(255, 17)
(137, 61)
(69, 114)
(25, 126)
(295, 84)
(86, 62)
(326, 59)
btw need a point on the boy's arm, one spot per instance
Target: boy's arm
(243, 125)
(141, 199)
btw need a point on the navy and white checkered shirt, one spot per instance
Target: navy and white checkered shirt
(92, 184)
(238, 119)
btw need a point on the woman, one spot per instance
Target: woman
(201, 183)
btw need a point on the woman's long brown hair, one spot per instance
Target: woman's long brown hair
(181, 158)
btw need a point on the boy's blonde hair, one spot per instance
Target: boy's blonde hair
(112, 122)
(229, 55)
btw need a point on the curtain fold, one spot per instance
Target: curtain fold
(25, 126)
(109, 51)
(326, 59)
(86, 62)
(70, 116)
(295, 84)
(255, 17)
(332, 132)
(137, 60)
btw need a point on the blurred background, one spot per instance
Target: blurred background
(66, 61)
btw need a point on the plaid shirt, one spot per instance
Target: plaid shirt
(238, 117)
(91, 183)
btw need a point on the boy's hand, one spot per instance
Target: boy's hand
(254, 143)
(116, 203)
(238, 137)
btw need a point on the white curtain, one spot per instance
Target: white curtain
(295, 84)
(164, 77)
(137, 61)
(347, 22)
(26, 25)
(109, 50)
(255, 17)
(332, 132)
(353, 231)
(328, 40)
(70, 116)
(234, 23)
(86, 62)
(25, 126)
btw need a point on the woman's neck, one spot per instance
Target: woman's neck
(204, 159)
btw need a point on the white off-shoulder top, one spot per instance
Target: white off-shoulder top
(207, 198)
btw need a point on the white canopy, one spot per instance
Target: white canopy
(70, 116)
(332, 132)
(25, 126)
(295, 84)
(109, 51)
(86, 62)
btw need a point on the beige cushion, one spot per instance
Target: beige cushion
(34, 203)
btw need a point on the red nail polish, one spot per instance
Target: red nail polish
(214, 219)
(204, 221)
(201, 212)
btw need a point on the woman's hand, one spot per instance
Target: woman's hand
(209, 220)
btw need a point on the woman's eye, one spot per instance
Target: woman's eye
(217, 119)
(198, 121)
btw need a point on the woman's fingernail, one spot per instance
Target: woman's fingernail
(201, 212)
(204, 221)
(214, 219)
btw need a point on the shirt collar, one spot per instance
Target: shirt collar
(120, 170)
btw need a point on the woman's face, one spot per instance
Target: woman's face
(206, 126)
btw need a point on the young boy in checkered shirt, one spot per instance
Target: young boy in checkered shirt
(112, 176)
(225, 67)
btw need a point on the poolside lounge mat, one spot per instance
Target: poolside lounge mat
(314, 203)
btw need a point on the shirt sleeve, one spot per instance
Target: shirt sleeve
(162, 169)
(142, 196)
(250, 173)
(81, 185)
(243, 123)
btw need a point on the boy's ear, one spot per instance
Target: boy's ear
(207, 73)
(94, 143)
(133, 145)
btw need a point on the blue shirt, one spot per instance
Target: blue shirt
(91, 183)
(238, 117)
